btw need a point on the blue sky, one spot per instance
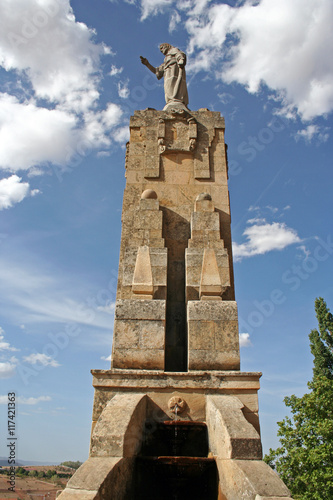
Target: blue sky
(70, 78)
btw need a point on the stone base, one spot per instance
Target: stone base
(127, 400)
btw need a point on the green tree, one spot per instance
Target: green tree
(50, 473)
(321, 342)
(305, 458)
(20, 471)
(71, 464)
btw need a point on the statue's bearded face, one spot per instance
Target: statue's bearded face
(164, 47)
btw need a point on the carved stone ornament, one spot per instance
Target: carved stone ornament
(177, 404)
(177, 131)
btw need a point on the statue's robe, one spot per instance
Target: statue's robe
(175, 88)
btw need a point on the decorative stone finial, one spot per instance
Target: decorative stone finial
(203, 196)
(149, 194)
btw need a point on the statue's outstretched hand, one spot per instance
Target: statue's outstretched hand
(144, 60)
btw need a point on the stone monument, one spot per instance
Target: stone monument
(175, 417)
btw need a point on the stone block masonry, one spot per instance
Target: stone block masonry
(175, 337)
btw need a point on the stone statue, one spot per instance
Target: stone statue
(173, 70)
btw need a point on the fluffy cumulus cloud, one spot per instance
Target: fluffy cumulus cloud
(244, 340)
(8, 368)
(41, 359)
(283, 45)
(262, 237)
(55, 69)
(12, 191)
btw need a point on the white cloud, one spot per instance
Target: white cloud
(5, 346)
(57, 53)
(284, 45)
(123, 90)
(57, 67)
(311, 131)
(174, 21)
(104, 358)
(244, 340)
(115, 71)
(153, 7)
(264, 237)
(12, 191)
(107, 308)
(122, 135)
(32, 135)
(7, 369)
(46, 301)
(40, 358)
(305, 252)
(25, 401)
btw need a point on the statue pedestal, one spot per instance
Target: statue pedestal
(175, 352)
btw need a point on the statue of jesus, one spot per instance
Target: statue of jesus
(173, 70)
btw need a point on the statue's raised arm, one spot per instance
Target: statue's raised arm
(173, 71)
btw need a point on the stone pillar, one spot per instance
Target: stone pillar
(172, 158)
(212, 322)
(139, 327)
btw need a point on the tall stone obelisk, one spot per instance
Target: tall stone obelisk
(175, 340)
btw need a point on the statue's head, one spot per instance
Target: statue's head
(164, 47)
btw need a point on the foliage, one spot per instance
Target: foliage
(20, 471)
(305, 458)
(321, 342)
(73, 465)
(51, 473)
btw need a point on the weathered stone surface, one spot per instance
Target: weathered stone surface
(245, 384)
(213, 335)
(213, 360)
(230, 434)
(245, 479)
(210, 283)
(92, 473)
(101, 398)
(225, 311)
(70, 494)
(139, 334)
(140, 309)
(143, 277)
(145, 359)
(176, 186)
(100, 478)
(176, 238)
(118, 432)
(259, 497)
